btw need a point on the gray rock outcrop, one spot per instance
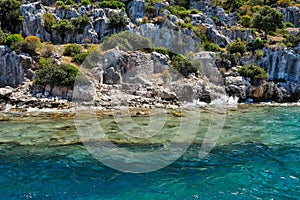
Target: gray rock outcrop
(291, 14)
(93, 32)
(136, 9)
(14, 68)
(209, 10)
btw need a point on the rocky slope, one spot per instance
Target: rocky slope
(145, 79)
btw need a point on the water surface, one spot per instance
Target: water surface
(257, 157)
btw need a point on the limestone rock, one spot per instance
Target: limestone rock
(291, 14)
(136, 9)
(160, 62)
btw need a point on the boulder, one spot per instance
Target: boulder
(160, 62)
(136, 9)
(217, 37)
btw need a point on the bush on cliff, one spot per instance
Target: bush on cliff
(31, 44)
(56, 75)
(2, 37)
(80, 23)
(15, 42)
(183, 65)
(237, 47)
(10, 14)
(253, 71)
(293, 40)
(48, 21)
(72, 50)
(117, 21)
(79, 58)
(127, 41)
(63, 27)
(267, 19)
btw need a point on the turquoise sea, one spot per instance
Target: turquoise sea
(256, 157)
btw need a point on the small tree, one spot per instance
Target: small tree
(268, 19)
(63, 26)
(80, 23)
(232, 5)
(253, 71)
(246, 21)
(9, 14)
(183, 66)
(49, 20)
(117, 21)
(15, 42)
(56, 75)
(72, 50)
(237, 47)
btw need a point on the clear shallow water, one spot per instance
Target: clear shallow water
(257, 157)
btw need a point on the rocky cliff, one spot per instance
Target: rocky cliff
(14, 68)
(93, 32)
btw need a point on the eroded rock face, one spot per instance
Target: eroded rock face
(136, 9)
(33, 21)
(93, 32)
(291, 14)
(174, 41)
(160, 62)
(217, 37)
(281, 65)
(244, 35)
(209, 10)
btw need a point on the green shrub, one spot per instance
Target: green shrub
(293, 40)
(79, 58)
(56, 75)
(43, 62)
(179, 11)
(161, 50)
(267, 19)
(237, 47)
(150, 10)
(258, 54)
(49, 20)
(253, 71)
(85, 2)
(69, 2)
(117, 21)
(114, 4)
(72, 50)
(210, 46)
(80, 23)
(215, 19)
(182, 65)
(60, 3)
(10, 14)
(232, 5)
(246, 21)
(63, 26)
(2, 37)
(257, 44)
(13, 39)
(289, 25)
(127, 41)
